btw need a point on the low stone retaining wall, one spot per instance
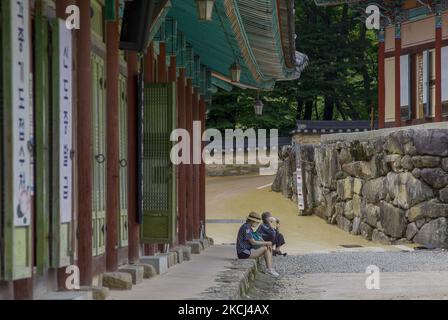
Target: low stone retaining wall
(388, 186)
(234, 283)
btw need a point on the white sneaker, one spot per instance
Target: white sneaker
(272, 272)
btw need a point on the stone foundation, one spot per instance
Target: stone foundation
(390, 188)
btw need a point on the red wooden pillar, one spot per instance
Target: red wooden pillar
(133, 226)
(112, 125)
(196, 169)
(190, 171)
(202, 180)
(84, 143)
(381, 82)
(162, 72)
(438, 62)
(148, 75)
(61, 6)
(397, 76)
(172, 70)
(182, 181)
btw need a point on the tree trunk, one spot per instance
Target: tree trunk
(329, 107)
(308, 110)
(300, 103)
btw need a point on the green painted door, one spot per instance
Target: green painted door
(123, 214)
(99, 155)
(159, 173)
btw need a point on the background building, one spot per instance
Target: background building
(412, 60)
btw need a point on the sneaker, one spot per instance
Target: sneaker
(272, 272)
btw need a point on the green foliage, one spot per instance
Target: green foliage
(338, 84)
(236, 110)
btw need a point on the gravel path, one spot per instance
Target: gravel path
(341, 275)
(357, 262)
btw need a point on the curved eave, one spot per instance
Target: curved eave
(218, 42)
(269, 25)
(258, 34)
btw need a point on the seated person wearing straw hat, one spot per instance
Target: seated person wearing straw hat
(249, 248)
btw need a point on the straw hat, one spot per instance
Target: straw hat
(255, 217)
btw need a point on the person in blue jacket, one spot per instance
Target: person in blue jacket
(269, 230)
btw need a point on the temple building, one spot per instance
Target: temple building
(86, 112)
(412, 60)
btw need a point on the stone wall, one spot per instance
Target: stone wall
(285, 181)
(391, 188)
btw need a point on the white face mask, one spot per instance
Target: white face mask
(254, 225)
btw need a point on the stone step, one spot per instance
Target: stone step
(186, 251)
(160, 262)
(137, 272)
(196, 246)
(117, 280)
(148, 270)
(180, 253)
(171, 257)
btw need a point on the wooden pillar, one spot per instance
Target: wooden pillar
(149, 65)
(133, 180)
(190, 176)
(202, 178)
(196, 169)
(84, 143)
(61, 6)
(182, 181)
(162, 72)
(113, 141)
(438, 63)
(381, 82)
(23, 289)
(397, 76)
(148, 75)
(172, 70)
